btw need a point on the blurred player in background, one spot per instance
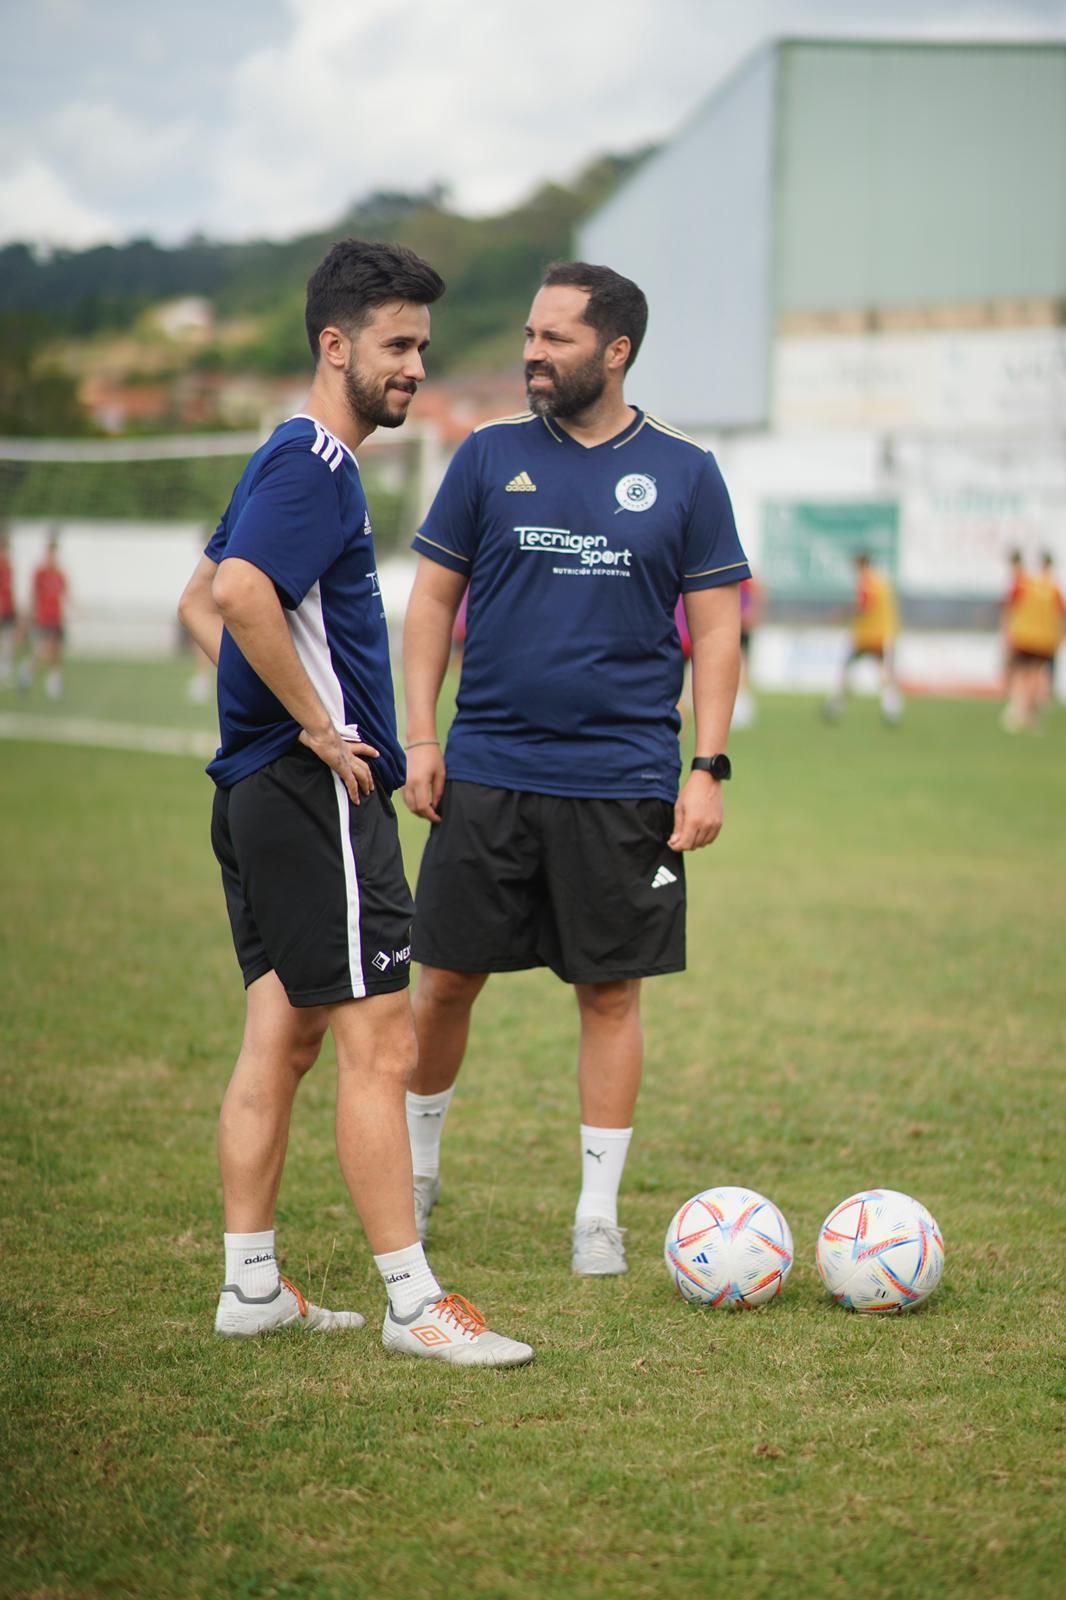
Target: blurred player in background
(558, 830)
(286, 601)
(48, 612)
(1012, 667)
(874, 632)
(751, 614)
(8, 612)
(1034, 633)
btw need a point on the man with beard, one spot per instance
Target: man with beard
(286, 601)
(558, 830)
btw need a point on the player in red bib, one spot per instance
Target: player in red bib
(48, 609)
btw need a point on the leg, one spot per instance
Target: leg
(611, 1059)
(442, 1005)
(375, 1041)
(376, 1051)
(281, 1043)
(609, 1073)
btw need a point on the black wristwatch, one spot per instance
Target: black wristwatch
(719, 766)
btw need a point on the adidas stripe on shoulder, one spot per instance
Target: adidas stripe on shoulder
(328, 448)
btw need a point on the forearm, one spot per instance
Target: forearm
(253, 615)
(198, 613)
(715, 672)
(426, 647)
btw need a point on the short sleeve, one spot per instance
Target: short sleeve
(713, 554)
(215, 548)
(290, 525)
(449, 534)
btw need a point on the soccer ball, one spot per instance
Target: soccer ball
(728, 1247)
(880, 1251)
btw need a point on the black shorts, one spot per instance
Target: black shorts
(1031, 658)
(315, 886)
(511, 880)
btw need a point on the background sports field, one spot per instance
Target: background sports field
(875, 995)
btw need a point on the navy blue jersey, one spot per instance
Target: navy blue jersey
(572, 665)
(299, 514)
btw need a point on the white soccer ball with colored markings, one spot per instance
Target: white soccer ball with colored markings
(728, 1247)
(880, 1251)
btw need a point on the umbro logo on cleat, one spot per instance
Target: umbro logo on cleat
(662, 877)
(522, 483)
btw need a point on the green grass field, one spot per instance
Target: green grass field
(875, 995)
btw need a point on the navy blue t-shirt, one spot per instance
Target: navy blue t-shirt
(299, 514)
(572, 665)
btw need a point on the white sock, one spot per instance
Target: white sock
(425, 1124)
(409, 1279)
(250, 1263)
(603, 1160)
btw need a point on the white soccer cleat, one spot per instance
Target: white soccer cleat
(451, 1329)
(598, 1251)
(427, 1192)
(238, 1317)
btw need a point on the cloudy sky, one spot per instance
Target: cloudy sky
(245, 118)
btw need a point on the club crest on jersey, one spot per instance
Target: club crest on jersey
(635, 492)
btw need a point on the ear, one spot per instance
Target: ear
(334, 347)
(618, 353)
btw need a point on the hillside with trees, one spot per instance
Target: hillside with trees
(68, 313)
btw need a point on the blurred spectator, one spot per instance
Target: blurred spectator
(49, 596)
(1034, 632)
(8, 613)
(874, 630)
(751, 614)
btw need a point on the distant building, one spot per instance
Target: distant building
(189, 319)
(855, 259)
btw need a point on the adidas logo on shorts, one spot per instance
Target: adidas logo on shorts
(662, 877)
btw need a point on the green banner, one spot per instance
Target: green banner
(809, 547)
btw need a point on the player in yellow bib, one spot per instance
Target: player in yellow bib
(874, 630)
(1034, 633)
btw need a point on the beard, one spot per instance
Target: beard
(569, 395)
(371, 405)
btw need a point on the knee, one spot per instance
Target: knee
(609, 1002)
(305, 1048)
(455, 991)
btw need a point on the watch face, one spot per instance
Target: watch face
(721, 767)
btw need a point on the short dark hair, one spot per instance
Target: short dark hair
(616, 306)
(359, 275)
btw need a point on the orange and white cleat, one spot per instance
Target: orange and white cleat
(451, 1329)
(239, 1317)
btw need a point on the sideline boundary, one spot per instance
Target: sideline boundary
(88, 732)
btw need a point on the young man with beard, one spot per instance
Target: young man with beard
(286, 601)
(558, 828)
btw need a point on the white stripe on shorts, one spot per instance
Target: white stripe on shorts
(307, 625)
(351, 891)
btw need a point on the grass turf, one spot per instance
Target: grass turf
(874, 996)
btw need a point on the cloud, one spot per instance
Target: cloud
(266, 117)
(38, 205)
